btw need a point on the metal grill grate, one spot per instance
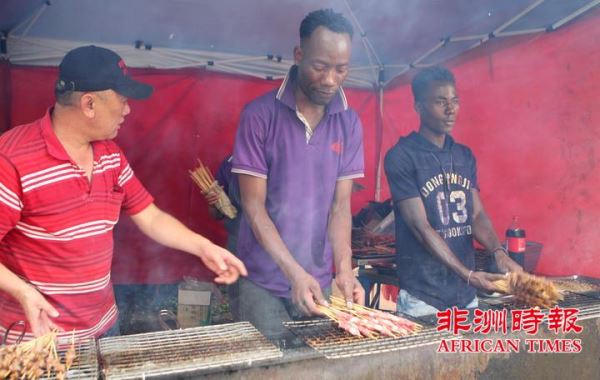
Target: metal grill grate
(198, 349)
(578, 284)
(324, 336)
(85, 365)
(589, 307)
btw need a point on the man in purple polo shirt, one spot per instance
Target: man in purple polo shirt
(296, 152)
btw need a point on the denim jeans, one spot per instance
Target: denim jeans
(411, 305)
(266, 312)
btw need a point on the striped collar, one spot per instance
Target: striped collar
(285, 94)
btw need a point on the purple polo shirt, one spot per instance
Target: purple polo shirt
(301, 176)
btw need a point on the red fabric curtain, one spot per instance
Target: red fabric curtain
(529, 111)
(193, 114)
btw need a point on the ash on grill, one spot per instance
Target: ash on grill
(325, 337)
(192, 350)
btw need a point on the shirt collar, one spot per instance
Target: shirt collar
(54, 147)
(286, 95)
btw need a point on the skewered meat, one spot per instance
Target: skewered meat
(362, 321)
(529, 289)
(36, 358)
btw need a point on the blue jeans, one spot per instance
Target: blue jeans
(266, 312)
(411, 305)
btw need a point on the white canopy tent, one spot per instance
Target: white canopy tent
(256, 37)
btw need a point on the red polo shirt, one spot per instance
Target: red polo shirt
(56, 227)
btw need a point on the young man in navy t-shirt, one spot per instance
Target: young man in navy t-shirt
(433, 181)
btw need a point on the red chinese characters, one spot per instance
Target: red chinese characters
(563, 320)
(455, 320)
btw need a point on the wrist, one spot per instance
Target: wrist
(23, 291)
(297, 275)
(202, 246)
(499, 250)
(469, 277)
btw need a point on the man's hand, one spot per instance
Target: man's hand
(351, 289)
(505, 263)
(212, 197)
(223, 263)
(485, 281)
(37, 311)
(306, 294)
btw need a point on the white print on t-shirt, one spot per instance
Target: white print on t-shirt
(438, 180)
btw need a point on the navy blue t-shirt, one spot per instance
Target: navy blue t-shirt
(443, 180)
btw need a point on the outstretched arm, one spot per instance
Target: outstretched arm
(168, 231)
(340, 231)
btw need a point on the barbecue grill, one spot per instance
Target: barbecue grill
(579, 284)
(176, 352)
(324, 336)
(589, 307)
(85, 365)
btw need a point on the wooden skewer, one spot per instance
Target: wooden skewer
(205, 172)
(200, 179)
(341, 303)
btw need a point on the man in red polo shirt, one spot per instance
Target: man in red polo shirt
(63, 183)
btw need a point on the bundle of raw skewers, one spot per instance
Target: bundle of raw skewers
(202, 176)
(529, 289)
(365, 322)
(36, 358)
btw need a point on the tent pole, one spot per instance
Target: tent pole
(517, 17)
(439, 45)
(581, 10)
(468, 38)
(396, 76)
(520, 32)
(371, 53)
(379, 147)
(33, 19)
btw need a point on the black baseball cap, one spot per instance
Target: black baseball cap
(93, 68)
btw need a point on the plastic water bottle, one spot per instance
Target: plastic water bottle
(516, 242)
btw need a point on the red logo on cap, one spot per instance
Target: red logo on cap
(123, 67)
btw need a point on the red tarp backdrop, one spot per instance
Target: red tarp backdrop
(528, 111)
(192, 114)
